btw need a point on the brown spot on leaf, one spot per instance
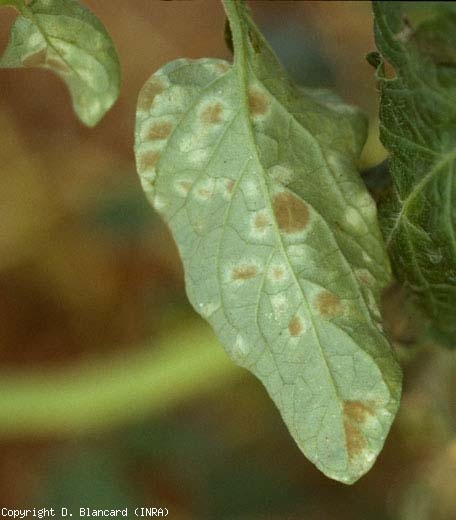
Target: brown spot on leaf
(364, 276)
(244, 272)
(212, 114)
(354, 440)
(291, 213)
(148, 160)
(260, 222)
(184, 187)
(355, 414)
(36, 59)
(358, 411)
(277, 273)
(147, 95)
(205, 193)
(159, 131)
(295, 326)
(328, 304)
(58, 65)
(258, 102)
(222, 66)
(230, 186)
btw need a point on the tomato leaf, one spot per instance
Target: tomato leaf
(282, 252)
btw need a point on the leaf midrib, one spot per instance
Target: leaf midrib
(241, 67)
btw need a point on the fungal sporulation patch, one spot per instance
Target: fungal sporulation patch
(328, 304)
(295, 327)
(148, 160)
(260, 222)
(355, 415)
(291, 213)
(230, 186)
(205, 191)
(221, 67)
(244, 272)
(258, 102)
(183, 187)
(279, 304)
(147, 95)
(277, 273)
(159, 131)
(364, 277)
(212, 114)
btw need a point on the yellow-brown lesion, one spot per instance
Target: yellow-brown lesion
(205, 193)
(184, 187)
(148, 160)
(148, 93)
(295, 327)
(261, 222)
(355, 414)
(258, 102)
(212, 114)
(222, 67)
(277, 273)
(291, 213)
(244, 272)
(230, 186)
(328, 304)
(159, 131)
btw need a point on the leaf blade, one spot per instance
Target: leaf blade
(65, 37)
(238, 175)
(417, 113)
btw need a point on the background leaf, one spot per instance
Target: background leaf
(65, 37)
(282, 254)
(418, 122)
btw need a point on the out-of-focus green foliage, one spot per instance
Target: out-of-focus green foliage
(418, 127)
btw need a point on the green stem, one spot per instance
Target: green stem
(102, 393)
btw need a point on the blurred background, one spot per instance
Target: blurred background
(112, 391)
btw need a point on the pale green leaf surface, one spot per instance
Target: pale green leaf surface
(66, 38)
(282, 254)
(418, 127)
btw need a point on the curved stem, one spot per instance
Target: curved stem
(99, 394)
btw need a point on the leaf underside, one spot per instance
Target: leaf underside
(418, 127)
(66, 38)
(282, 254)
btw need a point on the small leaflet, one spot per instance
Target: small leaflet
(65, 37)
